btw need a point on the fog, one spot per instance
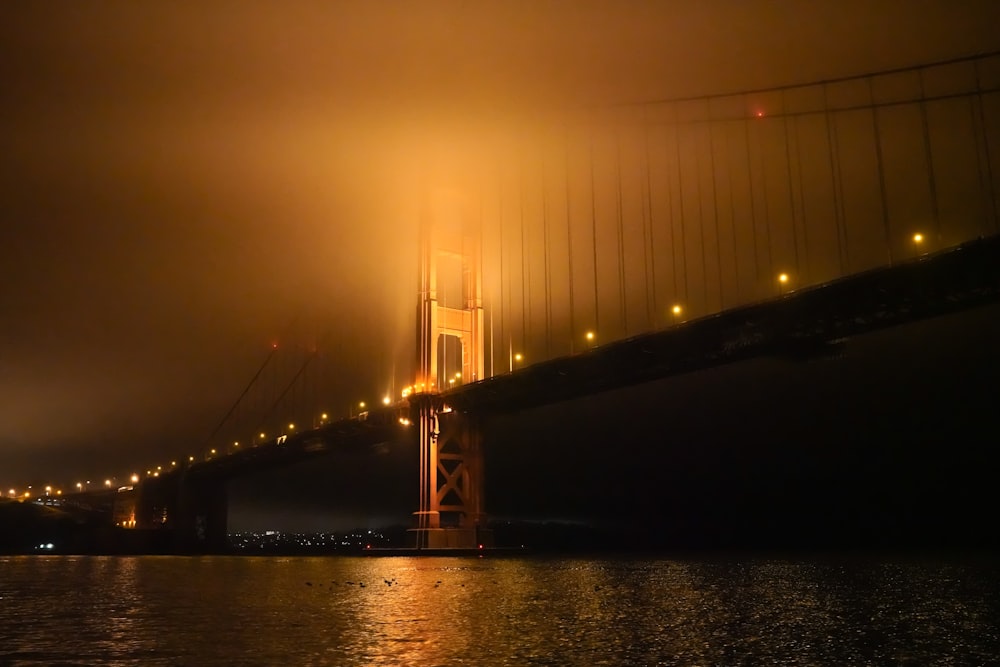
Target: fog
(184, 187)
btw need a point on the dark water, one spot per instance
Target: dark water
(525, 611)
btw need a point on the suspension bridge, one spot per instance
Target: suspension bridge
(621, 246)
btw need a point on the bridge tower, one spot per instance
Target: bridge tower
(450, 351)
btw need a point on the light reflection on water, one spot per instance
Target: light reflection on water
(449, 611)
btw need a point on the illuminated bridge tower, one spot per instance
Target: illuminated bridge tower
(450, 351)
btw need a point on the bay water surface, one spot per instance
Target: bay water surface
(150, 610)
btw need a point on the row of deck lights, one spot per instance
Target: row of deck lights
(517, 358)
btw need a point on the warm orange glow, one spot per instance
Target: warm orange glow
(135, 478)
(386, 400)
(79, 485)
(262, 436)
(783, 278)
(361, 404)
(918, 238)
(590, 335)
(323, 417)
(518, 357)
(291, 427)
(212, 452)
(107, 482)
(676, 310)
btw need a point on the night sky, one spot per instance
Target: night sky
(181, 186)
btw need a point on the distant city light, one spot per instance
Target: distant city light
(783, 278)
(386, 400)
(918, 238)
(676, 310)
(135, 478)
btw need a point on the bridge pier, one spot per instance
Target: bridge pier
(201, 525)
(451, 514)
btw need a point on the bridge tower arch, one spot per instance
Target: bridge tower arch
(449, 314)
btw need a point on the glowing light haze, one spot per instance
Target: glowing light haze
(181, 186)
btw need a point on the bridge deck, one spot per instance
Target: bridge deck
(802, 323)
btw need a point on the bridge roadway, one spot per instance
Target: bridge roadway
(804, 323)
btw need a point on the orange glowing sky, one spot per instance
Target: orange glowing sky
(181, 184)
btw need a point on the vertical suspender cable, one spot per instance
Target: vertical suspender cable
(715, 207)
(836, 184)
(701, 216)
(545, 261)
(732, 217)
(791, 192)
(652, 303)
(569, 249)
(525, 265)
(881, 171)
(752, 207)
(593, 231)
(929, 157)
(769, 237)
(504, 312)
(680, 204)
(622, 301)
(988, 186)
(802, 199)
(667, 185)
